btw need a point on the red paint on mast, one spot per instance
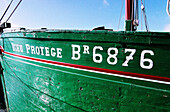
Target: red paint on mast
(129, 15)
(128, 9)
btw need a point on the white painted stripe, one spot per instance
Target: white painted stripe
(93, 71)
(87, 75)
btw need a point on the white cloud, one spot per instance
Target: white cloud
(105, 2)
(167, 28)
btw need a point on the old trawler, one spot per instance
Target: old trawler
(86, 70)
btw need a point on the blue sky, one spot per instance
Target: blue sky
(82, 14)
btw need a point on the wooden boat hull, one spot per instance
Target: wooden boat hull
(86, 71)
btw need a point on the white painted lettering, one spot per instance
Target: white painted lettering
(130, 57)
(27, 47)
(53, 53)
(21, 49)
(47, 51)
(112, 56)
(32, 50)
(17, 47)
(86, 49)
(13, 47)
(143, 60)
(42, 48)
(37, 50)
(75, 54)
(95, 55)
(59, 53)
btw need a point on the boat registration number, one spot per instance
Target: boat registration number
(112, 58)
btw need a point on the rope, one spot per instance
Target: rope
(120, 14)
(136, 13)
(144, 14)
(141, 19)
(14, 10)
(136, 16)
(132, 12)
(168, 4)
(6, 10)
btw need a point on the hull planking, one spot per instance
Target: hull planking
(64, 70)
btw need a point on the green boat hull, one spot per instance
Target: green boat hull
(76, 71)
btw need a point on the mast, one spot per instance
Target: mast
(129, 15)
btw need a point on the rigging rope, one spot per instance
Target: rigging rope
(136, 10)
(14, 10)
(132, 14)
(144, 14)
(141, 20)
(136, 16)
(6, 10)
(120, 14)
(168, 4)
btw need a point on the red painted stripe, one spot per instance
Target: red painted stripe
(95, 69)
